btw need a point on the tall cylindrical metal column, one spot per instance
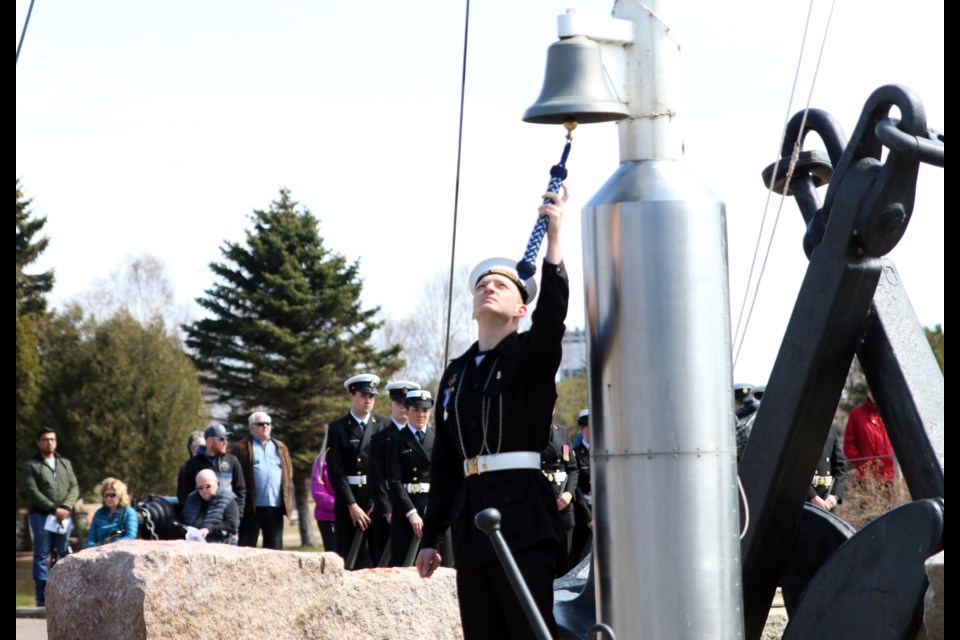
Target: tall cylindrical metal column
(663, 457)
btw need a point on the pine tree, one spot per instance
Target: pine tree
(31, 289)
(285, 327)
(31, 308)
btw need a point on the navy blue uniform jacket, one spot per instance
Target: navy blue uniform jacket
(519, 376)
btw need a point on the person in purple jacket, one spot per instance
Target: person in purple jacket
(323, 499)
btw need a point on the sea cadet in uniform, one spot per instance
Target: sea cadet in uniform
(408, 475)
(348, 446)
(559, 465)
(495, 409)
(382, 510)
(583, 499)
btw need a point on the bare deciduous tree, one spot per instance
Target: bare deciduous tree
(423, 334)
(141, 287)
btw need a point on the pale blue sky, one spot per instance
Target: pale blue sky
(157, 128)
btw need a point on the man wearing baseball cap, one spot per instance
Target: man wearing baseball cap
(382, 509)
(213, 455)
(348, 467)
(493, 417)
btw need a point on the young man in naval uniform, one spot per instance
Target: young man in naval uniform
(494, 414)
(382, 510)
(408, 475)
(348, 447)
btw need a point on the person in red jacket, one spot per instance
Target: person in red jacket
(866, 443)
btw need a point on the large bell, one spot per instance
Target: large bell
(575, 87)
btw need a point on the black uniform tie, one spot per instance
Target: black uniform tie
(419, 435)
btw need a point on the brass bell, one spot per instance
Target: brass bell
(575, 87)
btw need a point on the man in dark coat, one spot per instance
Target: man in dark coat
(212, 509)
(348, 467)
(828, 485)
(213, 455)
(494, 416)
(380, 519)
(408, 476)
(580, 544)
(559, 466)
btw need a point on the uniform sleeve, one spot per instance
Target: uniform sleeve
(446, 474)
(571, 466)
(398, 495)
(838, 468)
(341, 488)
(546, 331)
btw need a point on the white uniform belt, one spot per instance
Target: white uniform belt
(588, 498)
(357, 480)
(823, 481)
(556, 477)
(501, 462)
(417, 487)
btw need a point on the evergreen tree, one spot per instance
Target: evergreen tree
(31, 308)
(123, 397)
(31, 289)
(285, 329)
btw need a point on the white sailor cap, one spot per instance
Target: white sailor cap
(365, 382)
(584, 417)
(419, 398)
(508, 269)
(398, 389)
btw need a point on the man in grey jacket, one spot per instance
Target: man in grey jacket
(51, 488)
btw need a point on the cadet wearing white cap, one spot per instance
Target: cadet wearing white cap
(495, 405)
(380, 520)
(408, 475)
(348, 445)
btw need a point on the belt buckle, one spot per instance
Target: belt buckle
(415, 488)
(471, 466)
(362, 482)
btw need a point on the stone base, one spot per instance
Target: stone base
(177, 590)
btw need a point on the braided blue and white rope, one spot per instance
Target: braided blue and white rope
(527, 266)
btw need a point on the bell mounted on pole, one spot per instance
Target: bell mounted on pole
(575, 87)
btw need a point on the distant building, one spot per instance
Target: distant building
(574, 360)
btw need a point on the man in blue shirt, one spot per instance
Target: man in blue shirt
(268, 475)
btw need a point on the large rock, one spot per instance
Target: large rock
(191, 590)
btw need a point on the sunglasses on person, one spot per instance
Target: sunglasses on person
(204, 486)
(109, 495)
(261, 424)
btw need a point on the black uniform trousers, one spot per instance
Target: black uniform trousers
(489, 607)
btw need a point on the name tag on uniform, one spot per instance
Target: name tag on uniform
(354, 441)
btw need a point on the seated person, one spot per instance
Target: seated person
(116, 519)
(213, 512)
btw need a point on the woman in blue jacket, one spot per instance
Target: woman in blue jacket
(116, 519)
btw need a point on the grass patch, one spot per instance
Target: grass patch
(25, 592)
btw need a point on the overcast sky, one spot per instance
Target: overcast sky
(158, 127)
